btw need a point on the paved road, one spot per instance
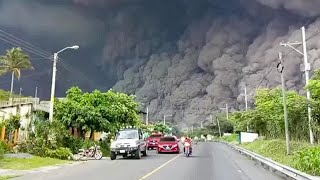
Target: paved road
(210, 161)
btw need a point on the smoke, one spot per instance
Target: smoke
(217, 54)
(187, 58)
(55, 21)
(305, 8)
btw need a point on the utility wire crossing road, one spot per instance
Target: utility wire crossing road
(210, 161)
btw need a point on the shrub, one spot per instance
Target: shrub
(25, 146)
(105, 148)
(308, 160)
(73, 143)
(4, 147)
(60, 153)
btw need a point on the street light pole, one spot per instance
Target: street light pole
(147, 117)
(246, 101)
(164, 118)
(35, 97)
(307, 68)
(53, 83)
(20, 92)
(280, 68)
(245, 97)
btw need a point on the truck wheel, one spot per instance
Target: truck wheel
(144, 153)
(113, 155)
(137, 154)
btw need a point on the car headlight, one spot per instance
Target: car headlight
(175, 145)
(133, 145)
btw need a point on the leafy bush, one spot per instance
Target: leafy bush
(4, 147)
(60, 153)
(105, 148)
(73, 143)
(308, 160)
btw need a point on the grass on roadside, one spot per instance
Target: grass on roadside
(233, 138)
(276, 150)
(7, 177)
(29, 163)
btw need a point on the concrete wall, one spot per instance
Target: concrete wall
(25, 111)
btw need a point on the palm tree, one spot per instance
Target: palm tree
(14, 61)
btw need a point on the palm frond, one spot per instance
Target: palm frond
(15, 60)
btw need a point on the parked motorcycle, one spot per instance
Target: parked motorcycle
(93, 151)
(187, 149)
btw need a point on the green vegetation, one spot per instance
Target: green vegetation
(29, 163)
(7, 177)
(304, 156)
(97, 111)
(234, 138)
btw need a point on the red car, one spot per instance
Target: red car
(168, 144)
(153, 140)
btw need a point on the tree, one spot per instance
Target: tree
(14, 61)
(97, 111)
(314, 87)
(160, 127)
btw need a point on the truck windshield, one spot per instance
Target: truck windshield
(128, 134)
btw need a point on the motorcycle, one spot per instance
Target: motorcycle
(187, 149)
(93, 151)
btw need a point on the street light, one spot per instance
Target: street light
(164, 118)
(307, 68)
(53, 85)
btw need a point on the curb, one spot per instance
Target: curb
(273, 166)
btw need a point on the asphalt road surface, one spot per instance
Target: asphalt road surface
(210, 161)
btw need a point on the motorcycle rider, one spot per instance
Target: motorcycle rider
(188, 140)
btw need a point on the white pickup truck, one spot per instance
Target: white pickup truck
(129, 142)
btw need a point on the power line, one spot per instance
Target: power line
(283, 57)
(27, 76)
(18, 40)
(11, 39)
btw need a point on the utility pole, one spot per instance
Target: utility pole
(36, 93)
(20, 92)
(53, 85)
(226, 109)
(164, 118)
(35, 97)
(147, 117)
(280, 68)
(218, 126)
(307, 68)
(245, 97)
(246, 101)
